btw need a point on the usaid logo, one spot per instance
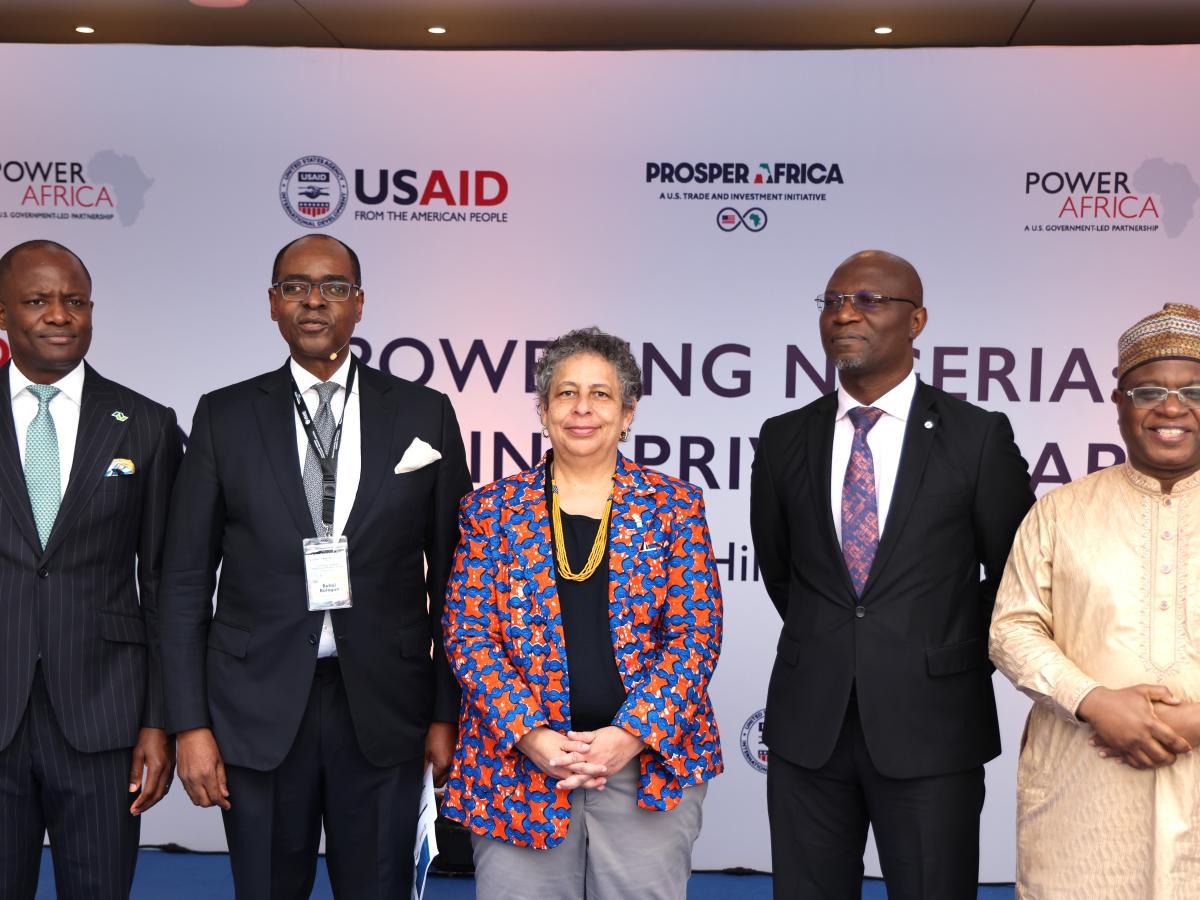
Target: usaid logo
(753, 748)
(313, 191)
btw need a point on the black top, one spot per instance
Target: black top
(595, 684)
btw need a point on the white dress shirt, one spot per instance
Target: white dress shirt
(349, 462)
(886, 440)
(64, 409)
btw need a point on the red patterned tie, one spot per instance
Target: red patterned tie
(860, 514)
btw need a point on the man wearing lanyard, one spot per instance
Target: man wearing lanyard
(327, 492)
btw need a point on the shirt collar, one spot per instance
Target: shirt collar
(896, 403)
(306, 380)
(70, 385)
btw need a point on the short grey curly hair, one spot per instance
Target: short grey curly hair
(589, 340)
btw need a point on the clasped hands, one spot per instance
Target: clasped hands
(580, 758)
(1144, 726)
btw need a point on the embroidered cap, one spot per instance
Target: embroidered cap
(1171, 333)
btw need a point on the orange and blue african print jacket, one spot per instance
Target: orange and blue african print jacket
(504, 636)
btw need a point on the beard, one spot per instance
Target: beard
(848, 363)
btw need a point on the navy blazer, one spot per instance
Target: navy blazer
(914, 646)
(239, 503)
(88, 603)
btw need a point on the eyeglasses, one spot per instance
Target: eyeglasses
(863, 301)
(1149, 397)
(332, 291)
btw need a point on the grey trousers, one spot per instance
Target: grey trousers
(614, 850)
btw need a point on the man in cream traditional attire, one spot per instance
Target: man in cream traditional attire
(1097, 619)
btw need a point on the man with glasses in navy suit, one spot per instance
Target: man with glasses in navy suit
(873, 510)
(327, 492)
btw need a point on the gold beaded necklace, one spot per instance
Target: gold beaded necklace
(560, 545)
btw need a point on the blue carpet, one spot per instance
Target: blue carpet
(205, 876)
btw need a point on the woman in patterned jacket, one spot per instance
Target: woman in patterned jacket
(583, 620)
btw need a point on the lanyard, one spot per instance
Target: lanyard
(326, 458)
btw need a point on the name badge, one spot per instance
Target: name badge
(327, 572)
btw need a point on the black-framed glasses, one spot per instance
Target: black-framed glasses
(332, 291)
(1148, 396)
(863, 301)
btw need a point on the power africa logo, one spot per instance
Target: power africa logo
(108, 186)
(313, 191)
(1157, 196)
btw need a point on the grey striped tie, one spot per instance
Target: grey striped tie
(323, 426)
(43, 477)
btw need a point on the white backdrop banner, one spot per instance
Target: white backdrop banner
(692, 203)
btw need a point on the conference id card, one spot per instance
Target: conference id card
(327, 572)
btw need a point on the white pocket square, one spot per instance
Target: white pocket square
(418, 455)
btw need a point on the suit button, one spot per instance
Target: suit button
(859, 612)
(312, 638)
(43, 572)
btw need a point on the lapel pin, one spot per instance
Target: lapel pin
(119, 416)
(929, 423)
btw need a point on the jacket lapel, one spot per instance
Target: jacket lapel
(13, 490)
(276, 416)
(632, 526)
(376, 425)
(918, 441)
(98, 436)
(532, 585)
(532, 539)
(632, 519)
(820, 467)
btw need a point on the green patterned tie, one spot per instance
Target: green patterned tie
(43, 477)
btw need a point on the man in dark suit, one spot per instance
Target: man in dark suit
(872, 510)
(86, 468)
(301, 703)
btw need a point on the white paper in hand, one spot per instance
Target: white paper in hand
(426, 848)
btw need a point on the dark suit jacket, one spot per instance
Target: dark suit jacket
(914, 646)
(76, 603)
(239, 502)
